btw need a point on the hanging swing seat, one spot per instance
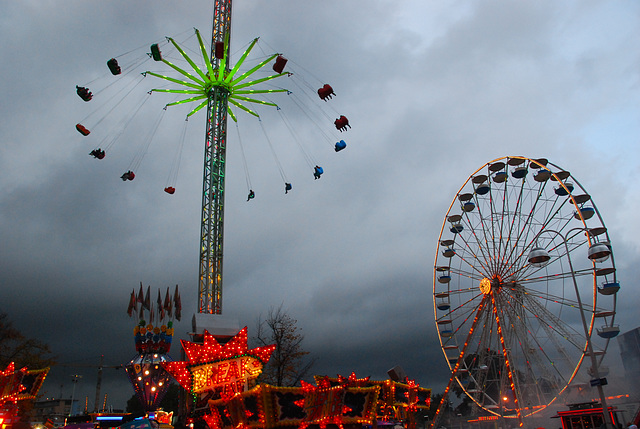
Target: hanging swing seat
(278, 66)
(219, 50)
(170, 190)
(114, 67)
(155, 52)
(129, 175)
(326, 92)
(84, 93)
(82, 130)
(340, 145)
(97, 153)
(342, 123)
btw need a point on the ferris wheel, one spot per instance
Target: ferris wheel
(524, 274)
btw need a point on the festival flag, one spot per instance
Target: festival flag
(168, 304)
(147, 299)
(132, 303)
(161, 313)
(178, 303)
(140, 297)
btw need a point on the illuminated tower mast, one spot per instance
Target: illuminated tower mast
(212, 221)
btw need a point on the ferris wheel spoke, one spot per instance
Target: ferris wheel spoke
(513, 223)
(560, 252)
(553, 216)
(484, 240)
(500, 219)
(473, 274)
(459, 316)
(534, 316)
(521, 352)
(556, 277)
(553, 324)
(537, 369)
(532, 225)
(507, 358)
(505, 223)
(468, 249)
(522, 224)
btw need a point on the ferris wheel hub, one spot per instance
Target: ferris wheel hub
(485, 286)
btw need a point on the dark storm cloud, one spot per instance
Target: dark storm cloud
(433, 91)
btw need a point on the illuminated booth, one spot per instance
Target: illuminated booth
(15, 386)
(585, 416)
(221, 383)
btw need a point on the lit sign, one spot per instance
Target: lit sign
(219, 374)
(221, 368)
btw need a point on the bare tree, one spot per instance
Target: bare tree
(287, 364)
(15, 347)
(23, 351)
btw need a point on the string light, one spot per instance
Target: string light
(223, 372)
(211, 366)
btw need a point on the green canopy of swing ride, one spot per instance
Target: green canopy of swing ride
(203, 83)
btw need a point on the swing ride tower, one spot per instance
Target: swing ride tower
(212, 219)
(217, 86)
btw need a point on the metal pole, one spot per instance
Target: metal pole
(74, 380)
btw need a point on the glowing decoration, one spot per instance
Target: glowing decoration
(153, 336)
(323, 404)
(353, 381)
(149, 379)
(11, 383)
(16, 386)
(214, 371)
(268, 406)
(219, 378)
(200, 85)
(485, 286)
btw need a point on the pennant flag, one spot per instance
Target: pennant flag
(161, 313)
(147, 299)
(132, 303)
(141, 295)
(178, 304)
(168, 304)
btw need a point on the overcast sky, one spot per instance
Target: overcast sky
(433, 91)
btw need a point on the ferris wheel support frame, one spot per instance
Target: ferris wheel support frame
(212, 220)
(588, 345)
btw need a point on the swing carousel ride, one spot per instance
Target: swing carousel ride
(210, 81)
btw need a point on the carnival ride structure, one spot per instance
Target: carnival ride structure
(221, 381)
(153, 336)
(209, 80)
(524, 274)
(18, 385)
